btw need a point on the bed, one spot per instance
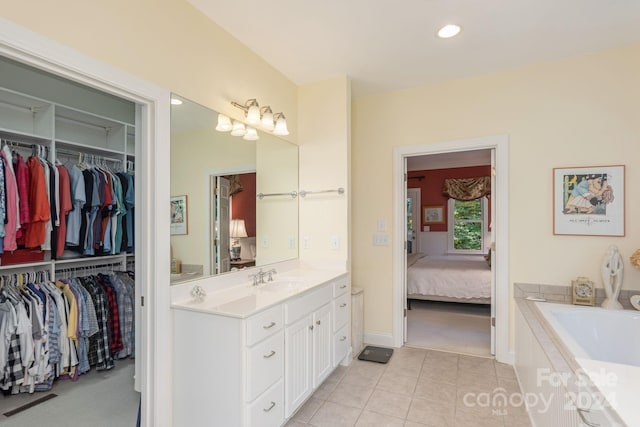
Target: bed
(451, 279)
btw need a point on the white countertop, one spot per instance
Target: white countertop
(244, 300)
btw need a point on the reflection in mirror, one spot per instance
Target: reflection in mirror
(228, 226)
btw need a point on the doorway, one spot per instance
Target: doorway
(151, 237)
(499, 290)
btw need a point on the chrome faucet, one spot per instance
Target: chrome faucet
(198, 293)
(259, 276)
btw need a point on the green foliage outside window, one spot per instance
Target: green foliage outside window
(467, 227)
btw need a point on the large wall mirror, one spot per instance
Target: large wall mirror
(231, 202)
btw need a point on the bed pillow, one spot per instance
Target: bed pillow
(412, 258)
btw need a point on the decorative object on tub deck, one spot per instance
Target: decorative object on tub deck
(582, 291)
(635, 259)
(612, 270)
(635, 301)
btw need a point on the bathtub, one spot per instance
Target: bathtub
(606, 346)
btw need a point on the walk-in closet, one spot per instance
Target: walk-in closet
(67, 252)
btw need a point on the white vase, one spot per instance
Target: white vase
(612, 274)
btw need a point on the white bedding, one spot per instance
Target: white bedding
(450, 278)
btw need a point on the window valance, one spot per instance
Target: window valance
(467, 188)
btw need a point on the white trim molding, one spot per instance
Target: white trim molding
(500, 229)
(379, 338)
(153, 360)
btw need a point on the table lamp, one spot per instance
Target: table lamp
(236, 231)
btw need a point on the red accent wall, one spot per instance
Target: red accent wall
(431, 188)
(244, 203)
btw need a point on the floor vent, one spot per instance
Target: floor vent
(30, 405)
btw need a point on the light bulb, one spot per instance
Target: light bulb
(251, 135)
(267, 119)
(281, 125)
(224, 123)
(238, 129)
(253, 114)
(448, 31)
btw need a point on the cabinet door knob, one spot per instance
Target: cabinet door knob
(343, 286)
(343, 305)
(317, 322)
(342, 338)
(311, 328)
(266, 356)
(270, 407)
(270, 325)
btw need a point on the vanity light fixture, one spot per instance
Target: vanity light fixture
(238, 129)
(224, 123)
(281, 125)
(448, 31)
(251, 134)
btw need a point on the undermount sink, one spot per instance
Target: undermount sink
(283, 285)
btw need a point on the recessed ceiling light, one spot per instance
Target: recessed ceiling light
(176, 101)
(448, 31)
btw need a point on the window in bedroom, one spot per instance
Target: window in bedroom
(467, 225)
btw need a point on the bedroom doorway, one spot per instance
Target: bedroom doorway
(472, 327)
(449, 281)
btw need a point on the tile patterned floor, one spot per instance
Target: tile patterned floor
(416, 388)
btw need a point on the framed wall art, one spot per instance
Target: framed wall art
(589, 201)
(433, 214)
(179, 215)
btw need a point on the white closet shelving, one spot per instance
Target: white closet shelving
(67, 132)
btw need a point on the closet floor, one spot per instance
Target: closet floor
(455, 327)
(97, 399)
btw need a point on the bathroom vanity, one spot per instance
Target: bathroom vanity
(251, 355)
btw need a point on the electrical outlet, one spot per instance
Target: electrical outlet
(306, 243)
(265, 242)
(380, 239)
(292, 242)
(382, 224)
(335, 243)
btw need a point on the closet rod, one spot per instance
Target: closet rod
(75, 153)
(303, 193)
(19, 107)
(293, 195)
(18, 143)
(89, 267)
(88, 124)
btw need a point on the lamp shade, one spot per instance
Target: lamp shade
(251, 135)
(224, 123)
(238, 129)
(253, 114)
(281, 125)
(237, 229)
(267, 119)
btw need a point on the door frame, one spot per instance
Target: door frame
(153, 360)
(417, 206)
(500, 228)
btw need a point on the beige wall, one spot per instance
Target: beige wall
(167, 42)
(574, 112)
(325, 114)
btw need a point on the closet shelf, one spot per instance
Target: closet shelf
(90, 149)
(92, 259)
(24, 136)
(24, 265)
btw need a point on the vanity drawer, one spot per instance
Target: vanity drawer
(264, 324)
(265, 365)
(340, 286)
(307, 303)
(268, 409)
(341, 310)
(341, 343)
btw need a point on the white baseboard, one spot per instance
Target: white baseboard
(378, 338)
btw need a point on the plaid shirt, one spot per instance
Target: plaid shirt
(115, 338)
(99, 355)
(125, 310)
(14, 372)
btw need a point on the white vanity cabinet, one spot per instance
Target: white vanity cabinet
(228, 371)
(237, 363)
